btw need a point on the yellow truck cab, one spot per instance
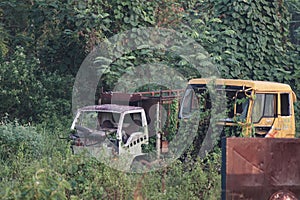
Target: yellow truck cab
(260, 108)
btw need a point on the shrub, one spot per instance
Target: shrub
(16, 139)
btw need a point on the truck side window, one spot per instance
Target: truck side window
(269, 110)
(285, 104)
(264, 106)
(258, 108)
(130, 124)
(89, 120)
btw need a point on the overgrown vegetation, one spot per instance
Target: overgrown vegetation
(35, 164)
(42, 45)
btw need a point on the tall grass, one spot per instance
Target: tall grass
(36, 164)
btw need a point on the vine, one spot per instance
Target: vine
(172, 120)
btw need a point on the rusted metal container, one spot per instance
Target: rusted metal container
(260, 169)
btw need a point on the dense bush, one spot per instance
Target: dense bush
(16, 139)
(20, 88)
(38, 183)
(28, 93)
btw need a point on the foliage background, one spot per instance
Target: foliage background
(43, 43)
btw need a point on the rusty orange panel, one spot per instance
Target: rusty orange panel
(256, 168)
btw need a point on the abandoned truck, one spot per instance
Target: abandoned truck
(109, 131)
(113, 131)
(258, 108)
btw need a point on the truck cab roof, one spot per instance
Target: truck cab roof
(111, 108)
(258, 86)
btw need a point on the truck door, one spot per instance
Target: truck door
(286, 126)
(272, 115)
(264, 113)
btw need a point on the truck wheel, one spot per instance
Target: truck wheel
(283, 195)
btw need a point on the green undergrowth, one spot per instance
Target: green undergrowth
(36, 164)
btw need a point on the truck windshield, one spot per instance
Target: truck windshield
(96, 120)
(241, 106)
(189, 103)
(197, 97)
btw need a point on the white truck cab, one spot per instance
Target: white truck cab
(110, 132)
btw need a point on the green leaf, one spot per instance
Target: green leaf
(266, 8)
(101, 59)
(131, 57)
(198, 21)
(284, 71)
(216, 20)
(229, 32)
(126, 19)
